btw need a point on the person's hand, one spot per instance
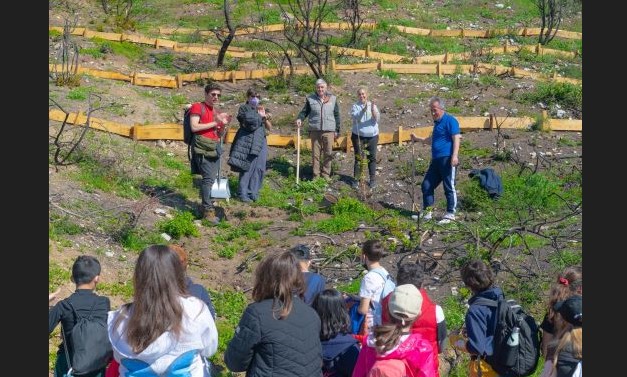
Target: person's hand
(53, 295)
(299, 123)
(454, 160)
(261, 111)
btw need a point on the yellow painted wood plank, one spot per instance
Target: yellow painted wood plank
(565, 54)
(73, 31)
(412, 68)
(449, 69)
(484, 68)
(56, 114)
(532, 31)
(113, 127)
(180, 30)
(387, 57)
(105, 74)
(520, 123)
(568, 80)
(412, 30)
(429, 59)
(568, 34)
(474, 122)
(136, 38)
(165, 131)
(166, 43)
(475, 33)
(566, 124)
(108, 36)
(147, 79)
(446, 33)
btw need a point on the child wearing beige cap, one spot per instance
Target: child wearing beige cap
(392, 347)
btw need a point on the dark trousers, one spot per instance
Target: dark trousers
(370, 143)
(209, 171)
(440, 171)
(250, 181)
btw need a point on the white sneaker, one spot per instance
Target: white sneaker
(426, 215)
(447, 218)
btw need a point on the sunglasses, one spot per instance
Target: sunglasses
(215, 95)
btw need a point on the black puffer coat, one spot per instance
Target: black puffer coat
(249, 139)
(264, 346)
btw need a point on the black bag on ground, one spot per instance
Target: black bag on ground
(512, 357)
(89, 343)
(188, 138)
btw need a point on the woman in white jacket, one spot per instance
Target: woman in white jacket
(365, 133)
(164, 331)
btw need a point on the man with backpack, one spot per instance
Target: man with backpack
(501, 338)
(85, 349)
(375, 285)
(208, 126)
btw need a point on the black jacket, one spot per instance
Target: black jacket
(264, 346)
(83, 300)
(249, 139)
(339, 355)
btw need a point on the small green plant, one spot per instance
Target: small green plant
(388, 74)
(78, 94)
(181, 225)
(454, 312)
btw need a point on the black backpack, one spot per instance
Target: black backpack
(188, 138)
(90, 346)
(512, 360)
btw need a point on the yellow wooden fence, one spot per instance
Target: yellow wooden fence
(171, 131)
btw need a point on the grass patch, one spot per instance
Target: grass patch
(181, 225)
(57, 276)
(119, 289)
(132, 51)
(550, 93)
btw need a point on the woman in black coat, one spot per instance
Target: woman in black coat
(249, 151)
(278, 334)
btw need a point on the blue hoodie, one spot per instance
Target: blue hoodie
(481, 323)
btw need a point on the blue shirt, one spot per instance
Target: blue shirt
(442, 137)
(314, 284)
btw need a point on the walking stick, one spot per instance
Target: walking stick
(297, 154)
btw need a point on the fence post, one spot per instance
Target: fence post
(545, 124)
(446, 57)
(438, 69)
(492, 121)
(349, 142)
(368, 51)
(233, 77)
(380, 66)
(538, 49)
(179, 80)
(332, 65)
(505, 46)
(400, 133)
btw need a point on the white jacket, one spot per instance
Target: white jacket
(199, 337)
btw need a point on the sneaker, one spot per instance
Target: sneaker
(447, 218)
(426, 215)
(355, 185)
(245, 199)
(372, 183)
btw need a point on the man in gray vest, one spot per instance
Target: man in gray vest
(323, 111)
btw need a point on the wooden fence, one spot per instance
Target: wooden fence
(459, 33)
(171, 131)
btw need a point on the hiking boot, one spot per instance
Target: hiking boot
(426, 215)
(448, 217)
(355, 185)
(372, 183)
(210, 215)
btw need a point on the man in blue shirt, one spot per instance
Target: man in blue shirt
(314, 283)
(444, 140)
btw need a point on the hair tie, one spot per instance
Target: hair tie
(563, 281)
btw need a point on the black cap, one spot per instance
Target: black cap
(301, 252)
(570, 309)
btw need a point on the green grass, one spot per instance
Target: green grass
(132, 51)
(182, 225)
(79, 94)
(57, 276)
(120, 289)
(565, 94)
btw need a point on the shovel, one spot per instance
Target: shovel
(220, 188)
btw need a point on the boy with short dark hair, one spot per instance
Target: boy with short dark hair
(374, 282)
(85, 274)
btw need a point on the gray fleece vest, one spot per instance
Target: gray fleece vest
(320, 111)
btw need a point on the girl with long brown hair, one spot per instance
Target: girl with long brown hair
(164, 330)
